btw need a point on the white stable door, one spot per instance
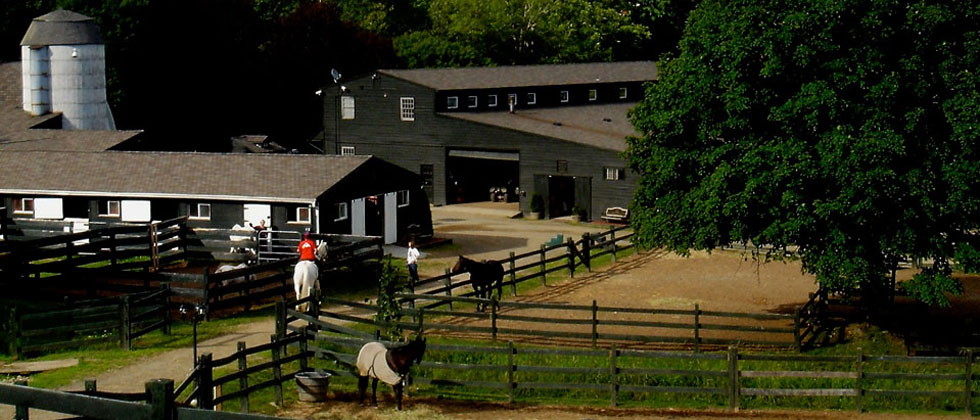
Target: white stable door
(357, 226)
(391, 218)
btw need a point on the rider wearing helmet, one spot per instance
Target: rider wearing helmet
(306, 248)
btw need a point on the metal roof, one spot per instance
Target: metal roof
(601, 126)
(216, 176)
(62, 27)
(535, 75)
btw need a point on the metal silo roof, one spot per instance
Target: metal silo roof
(62, 27)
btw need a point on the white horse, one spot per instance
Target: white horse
(306, 276)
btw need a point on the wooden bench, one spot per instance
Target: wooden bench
(616, 215)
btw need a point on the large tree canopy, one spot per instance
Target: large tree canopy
(848, 128)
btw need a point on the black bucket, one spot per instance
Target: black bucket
(312, 386)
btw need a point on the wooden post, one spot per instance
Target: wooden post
(613, 376)
(513, 275)
(733, 390)
(859, 383)
(161, 393)
(595, 323)
(612, 241)
(243, 379)
(69, 250)
(168, 320)
(544, 266)
(968, 394)
(421, 322)
(797, 339)
(112, 250)
(277, 369)
(281, 318)
(587, 251)
(493, 318)
(511, 385)
(697, 328)
(205, 298)
(90, 385)
(21, 412)
(124, 323)
(571, 257)
(313, 308)
(303, 350)
(448, 281)
(205, 382)
(14, 333)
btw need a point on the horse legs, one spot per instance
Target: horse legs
(362, 382)
(374, 391)
(398, 395)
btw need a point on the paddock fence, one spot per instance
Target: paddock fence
(559, 255)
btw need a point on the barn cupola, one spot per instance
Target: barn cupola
(63, 67)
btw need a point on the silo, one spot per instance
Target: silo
(63, 59)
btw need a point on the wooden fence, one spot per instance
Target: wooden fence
(537, 264)
(123, 319)
(240, 289)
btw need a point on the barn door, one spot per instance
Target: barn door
(254, 213)
(391, 218)
(583, 195)
(357, 226)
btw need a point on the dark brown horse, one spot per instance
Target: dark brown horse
(376, 361)
(483, 275)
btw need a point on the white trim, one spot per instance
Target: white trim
(532, 98)
(563, 96)
(309, 217)
(622, 93)
(491, 100)
(108, 208)
(348, 151)
(30, 212)
(452, 102)
(476, 101)
(593, 94)
(407, 198)
(199, 217)
(344, 115)
(346, 211)
(402, 108)
(196, 197)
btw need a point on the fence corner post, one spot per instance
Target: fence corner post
(733, 374)
(21, 412)
(205, 382)
(161, 393)
(969, 382)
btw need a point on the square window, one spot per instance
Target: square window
(452, 102)
(109, 208)
(593, 95)
(347, 150)
(340, 211)
(408, 109)
(532, 98)
(561, 166)
(200, 211)
(563, 96)
(492, 100)
(471, 101)
(614, 174)
(23, 206)
(303, 214)
(402, 198)
(347, 107)
(622, 93)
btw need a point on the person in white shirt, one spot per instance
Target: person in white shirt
(412, 260)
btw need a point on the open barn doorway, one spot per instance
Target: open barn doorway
(472, 174)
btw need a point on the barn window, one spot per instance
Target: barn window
(622, 93)
(492, 100)
(614, 174)
(471, 101)
(452, 102)
(563, 96)
(200, 211)
(532, 98)
(23, 206)
(561, 166)
(109, 208)
(347, 107)
(402, 198)
(593, 95)
(340, 212)
(347, 150)
(408, 109)
(299, 214)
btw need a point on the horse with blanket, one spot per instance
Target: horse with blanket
(390, 365)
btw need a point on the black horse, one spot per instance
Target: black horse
(483, 275)
(375, 361)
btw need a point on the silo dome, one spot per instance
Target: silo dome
(63, 67)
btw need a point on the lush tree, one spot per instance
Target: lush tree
(846, 128)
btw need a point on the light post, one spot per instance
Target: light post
(197, 313)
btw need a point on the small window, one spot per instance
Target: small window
(563, 96)
(561, 166)
(622, 93)
(347, 107)
(593, 95)
(402, 198)
(452, 102)
(109, 208)
(23, 206)
(492, 100)
(299, 214)
(408, 109)
(614, 174)
(200, 211)
(532, 98)
(471, 101)
(340, 211)
(347, 150)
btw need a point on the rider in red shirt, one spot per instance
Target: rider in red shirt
(306, 248)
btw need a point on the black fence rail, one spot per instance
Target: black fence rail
(242, 289)
(519, 268)
(119, 319)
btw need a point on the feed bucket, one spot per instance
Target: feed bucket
(312, 386)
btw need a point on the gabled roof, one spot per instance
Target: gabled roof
(216, 176)
(15, 123)
(62, 27)
(601, 126)
(521, 76)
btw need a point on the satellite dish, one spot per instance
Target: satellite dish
(335, 74)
